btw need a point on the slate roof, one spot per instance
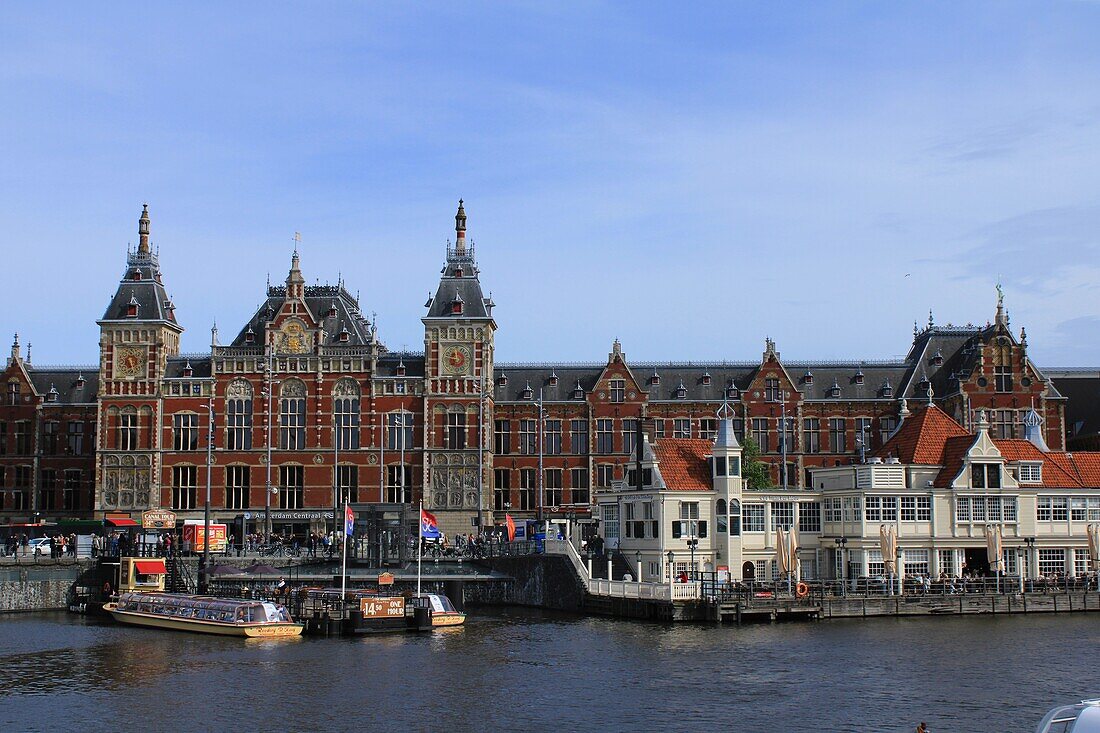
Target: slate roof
(200, 366)
(64, 380)
(519, 376)
(922, 436)
(148, 292)
(683, 463)
(320, 301)
(390, 361)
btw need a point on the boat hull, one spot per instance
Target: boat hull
(440, 620)
(252, 631)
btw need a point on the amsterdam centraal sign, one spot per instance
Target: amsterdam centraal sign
(285, 515)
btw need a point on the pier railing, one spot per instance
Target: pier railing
(687, 591)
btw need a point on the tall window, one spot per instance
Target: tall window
(838, 442)
(735, 517)
(760, 433)
(47, 495)
(1004, 424)
(74, 437)
(630, 435)
(185, 432)
(345, 413)
(292, 417)
(708, 428)
(347, 483)
(22, 437)
(782, 515)
(13, 393)
(985, 475)
(238, 416)
(21, 497)
(605, 474)
(812, 435)
(527, 489)
(292, 487)
(681, 428)
(809, 516)
(399, 431)
(786, 435)
(552, 487)
(618, 390)
(399, 484)
(1052, 562)
(528, 438)
(886, 425)
(502, 489)
(184, 482)
(50, 429)
(578, 479)
(73, 485)
(3, 439)
(605, 437)
(128, 431)
(456, 430)
(502, 437)
(1003, 377)
(578, 437)
(771, 390)
(551, 437)
(238, 485)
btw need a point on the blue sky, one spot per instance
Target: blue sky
(687, 178)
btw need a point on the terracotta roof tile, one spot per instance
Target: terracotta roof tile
(922, 436)
(1058, 470)
(953, 451)
(683, 463)
(1088, 467)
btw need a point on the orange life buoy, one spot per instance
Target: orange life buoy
(802, 590)
(107, 588)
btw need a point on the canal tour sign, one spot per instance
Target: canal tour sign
(158, 519)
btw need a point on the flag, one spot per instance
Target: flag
(349, 521)
(511, 525)
(429, 527)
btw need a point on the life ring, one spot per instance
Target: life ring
(107, 588)
(802, 590)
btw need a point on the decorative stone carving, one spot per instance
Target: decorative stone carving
(238, 389)
(292, 388)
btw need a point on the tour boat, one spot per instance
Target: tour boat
(443, 611)
(1083, 717)
(204, 614)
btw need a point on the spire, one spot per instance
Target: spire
(143, 230)
(15, 349)
(460, 230)
(1002, 317)
(295, 283)
(931, 320)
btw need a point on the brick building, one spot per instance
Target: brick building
(307, 404)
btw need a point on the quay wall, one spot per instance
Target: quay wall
(38, 588)
(538, 581)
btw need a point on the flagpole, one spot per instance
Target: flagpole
(419, 545)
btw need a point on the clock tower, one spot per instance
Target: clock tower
(458, 385)
(137, 334)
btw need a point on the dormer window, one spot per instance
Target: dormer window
(458, 272)
(401, 368)
(887, 390)
(51, 396)
(344, 335)
(332, 310)
(808, 377)
(834, 391)
(1031, 473)
(656, 378)
(80, 381)
(528, 393)
(132, 307)
(553, 379)
(456, 307)
(187, 370)
(578, 391)
(249, 336)
(706, 378)
(859, 376)
(985, 475)
(732, 392)
(681, 391)
(937, 358)
(136, 274)
(502, 380)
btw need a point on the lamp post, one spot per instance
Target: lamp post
(671, 574)
(841, 542)
(1020, 552)
(638, 564)
(1030, 542)
(204, 566)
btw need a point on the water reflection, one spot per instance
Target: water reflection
(519, 669)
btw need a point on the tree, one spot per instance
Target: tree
(754, 472)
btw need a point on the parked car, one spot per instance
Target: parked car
(40, 546)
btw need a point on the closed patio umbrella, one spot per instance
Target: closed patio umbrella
(887, 544)
(993, 548)
(792, 551)
(1094, 546)
(781, 551)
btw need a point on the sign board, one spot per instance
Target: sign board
(158, 519)
(375, 607)
(283, 515)
(385, 579)
(194, 538)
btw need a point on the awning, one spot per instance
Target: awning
(149, 567)
(122, 522)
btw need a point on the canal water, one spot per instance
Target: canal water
(523, 670)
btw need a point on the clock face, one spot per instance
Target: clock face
(130, 362)
(456, 360)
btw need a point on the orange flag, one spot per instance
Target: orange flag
(511, 525)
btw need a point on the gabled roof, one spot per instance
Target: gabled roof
(683, 463)
(954, 451)
(1057, 470)
(922, 436)
(320, 301)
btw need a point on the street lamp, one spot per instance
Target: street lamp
(638, 564)
(204, 566)
(671, 573)
(1030, 542)
(841, 542)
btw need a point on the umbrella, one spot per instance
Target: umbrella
(792, 550)
(888, 544)
(781, 550)
(224, 570)
(993, 550)
(261, 569)
(1094, 545)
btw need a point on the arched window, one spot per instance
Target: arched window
(292, 415)
(735, 518)
(238, 415)
(720, 512)
(345, 411)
